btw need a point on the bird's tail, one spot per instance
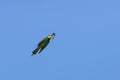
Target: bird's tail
(35, 51)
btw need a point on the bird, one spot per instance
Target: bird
(43, 43)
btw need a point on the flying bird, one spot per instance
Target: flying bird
(42, 44)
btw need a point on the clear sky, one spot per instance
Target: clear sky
(86, 46)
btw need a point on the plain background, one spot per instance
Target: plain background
(86, 46)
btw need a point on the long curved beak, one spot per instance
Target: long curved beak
(53, 35)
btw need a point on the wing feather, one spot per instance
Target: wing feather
(41, 41)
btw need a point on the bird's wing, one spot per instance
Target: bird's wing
(41, 41)
(42, 48)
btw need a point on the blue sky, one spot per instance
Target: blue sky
(87, 45)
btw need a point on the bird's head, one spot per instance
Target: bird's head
(53, 35)
(50, 36)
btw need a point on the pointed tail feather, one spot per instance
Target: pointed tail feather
(35, 51)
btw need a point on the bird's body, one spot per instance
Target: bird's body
(42, 44)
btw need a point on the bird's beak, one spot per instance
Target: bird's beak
(53, 35)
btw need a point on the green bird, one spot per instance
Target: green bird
(43, 43)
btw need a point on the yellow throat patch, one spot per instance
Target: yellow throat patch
(49, 37)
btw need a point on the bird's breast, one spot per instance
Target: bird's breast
(45, 42)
